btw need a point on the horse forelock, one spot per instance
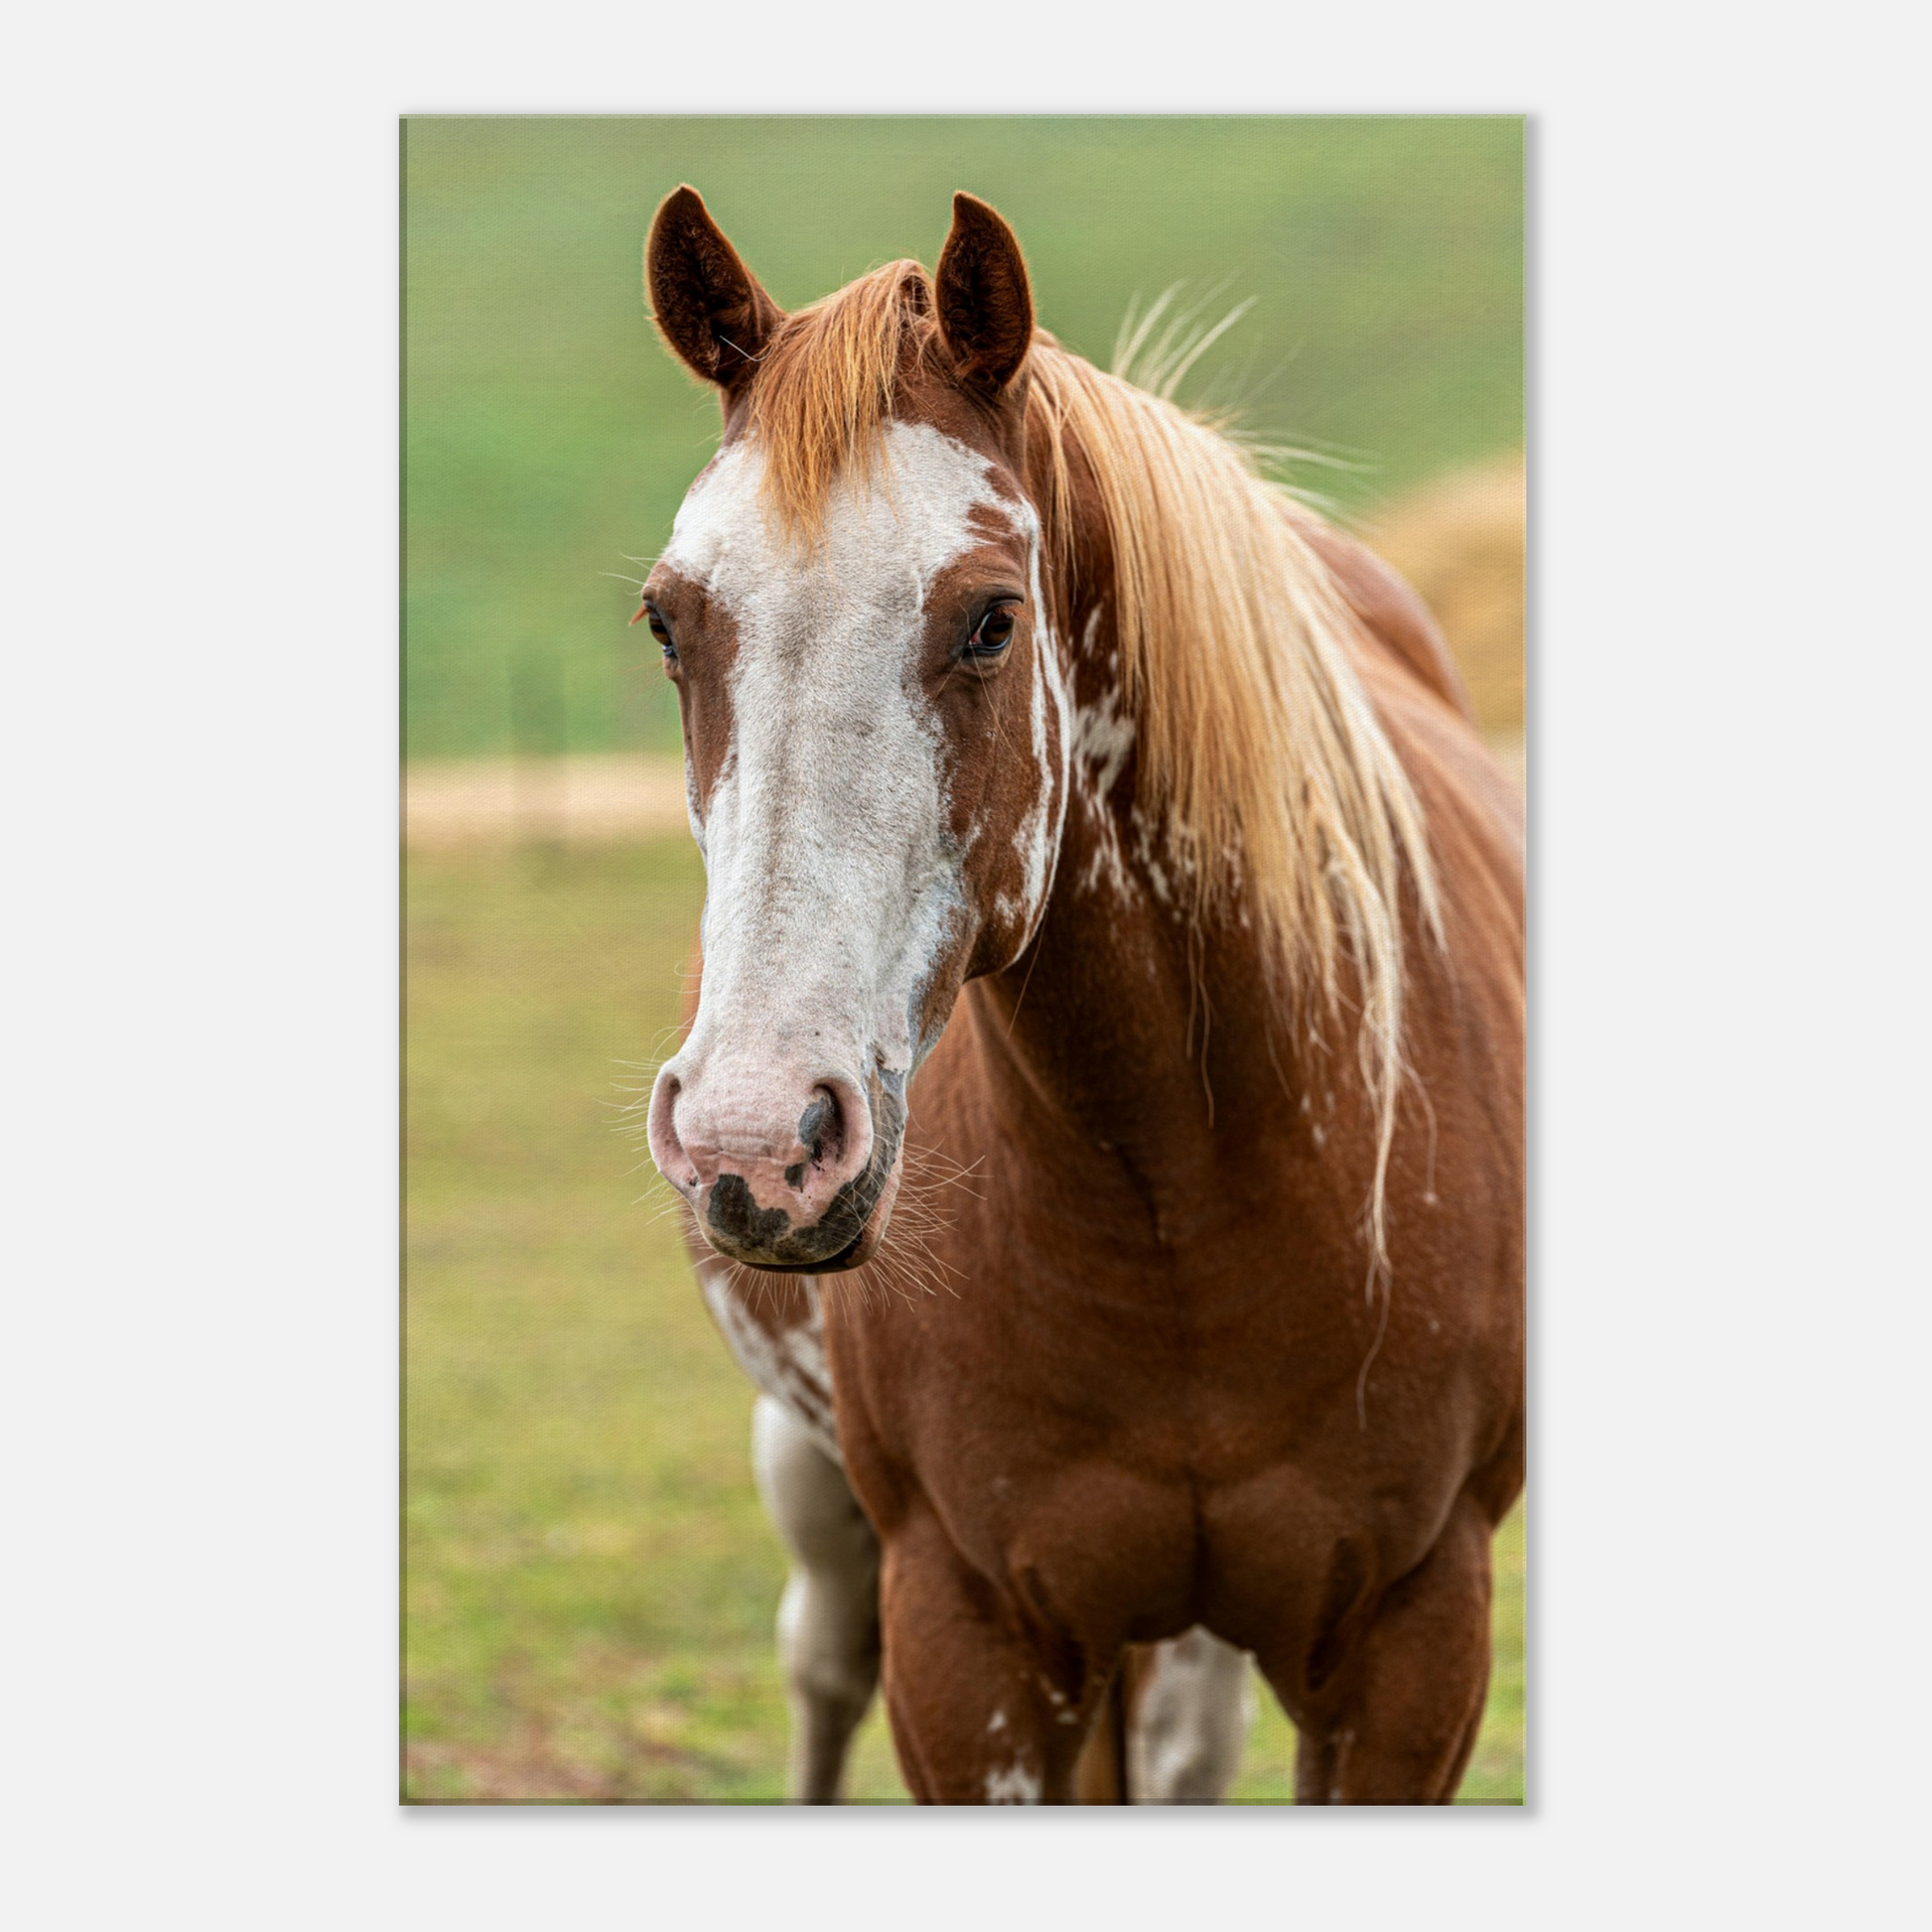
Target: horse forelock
(826, 388)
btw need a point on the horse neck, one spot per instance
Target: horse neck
(1126, 1013)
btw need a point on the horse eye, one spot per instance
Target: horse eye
(995, 632)
(662, 633)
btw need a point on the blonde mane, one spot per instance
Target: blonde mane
(1259, 753)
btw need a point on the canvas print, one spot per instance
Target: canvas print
(965, 961)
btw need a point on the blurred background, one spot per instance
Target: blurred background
(589, 1581)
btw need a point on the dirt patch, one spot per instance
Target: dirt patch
(583, 799)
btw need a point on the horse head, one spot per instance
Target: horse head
(853, 610)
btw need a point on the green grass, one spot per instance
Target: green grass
(590, 1580)
(548, 437)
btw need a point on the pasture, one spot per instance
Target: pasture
(590, 1580)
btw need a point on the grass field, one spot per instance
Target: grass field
(548, 437)
(590, 1580)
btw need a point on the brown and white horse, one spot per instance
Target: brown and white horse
(1089, 825)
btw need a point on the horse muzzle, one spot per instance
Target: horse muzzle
(790, 1172)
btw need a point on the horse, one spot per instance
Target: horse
(1099, 1121)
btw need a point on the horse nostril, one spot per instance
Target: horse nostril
(666, 1143)
(819, 1128)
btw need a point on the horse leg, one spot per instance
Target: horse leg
(1412, 1691)
(984, 1711)
(1190, 1722)
(828, 1617)
(1100, 1774)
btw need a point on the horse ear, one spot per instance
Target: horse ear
(706, 303)
(986, 309)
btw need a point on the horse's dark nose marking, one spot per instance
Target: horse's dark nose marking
(736, 1216)
(796, 1175)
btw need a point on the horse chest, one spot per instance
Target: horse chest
(776, 1337)
(1117, 1470)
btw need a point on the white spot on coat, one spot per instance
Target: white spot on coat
(1037, 841)
(788, 1364)
(1016, 1785)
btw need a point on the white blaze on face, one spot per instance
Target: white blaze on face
(833, 880)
